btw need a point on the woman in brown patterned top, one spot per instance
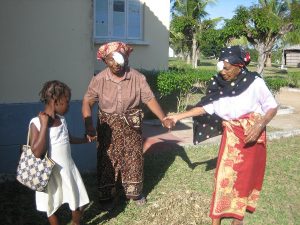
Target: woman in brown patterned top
(119, 91)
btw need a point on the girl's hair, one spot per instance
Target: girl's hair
(54, 90)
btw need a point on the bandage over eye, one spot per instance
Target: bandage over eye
(118, 58)
(220, 66)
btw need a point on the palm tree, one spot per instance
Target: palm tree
(187, 18)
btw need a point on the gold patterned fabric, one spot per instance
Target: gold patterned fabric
(115, 46)
(119, 157)
(240, 170)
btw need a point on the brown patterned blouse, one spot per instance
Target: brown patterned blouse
(118, 96)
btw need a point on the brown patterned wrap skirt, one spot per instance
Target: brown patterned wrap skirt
(120, 154)
(240, 170)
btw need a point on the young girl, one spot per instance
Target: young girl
(48, 131)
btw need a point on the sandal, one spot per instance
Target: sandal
(237, 222)
(140, 201)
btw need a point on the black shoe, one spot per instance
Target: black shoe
(107, 205)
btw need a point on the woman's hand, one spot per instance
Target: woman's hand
(254, 132)
(90, 131)
(91, 138)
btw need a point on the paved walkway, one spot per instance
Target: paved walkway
(286, 123)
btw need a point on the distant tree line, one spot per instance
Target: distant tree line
(266, 27)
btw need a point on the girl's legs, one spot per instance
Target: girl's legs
(76, 216)
(53, 220)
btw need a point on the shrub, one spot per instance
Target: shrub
(182, 83)
(294, 79)
(275, 83)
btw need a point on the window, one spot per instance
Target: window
(118, 19)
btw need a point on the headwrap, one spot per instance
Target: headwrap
(235, 55)
(110, 47)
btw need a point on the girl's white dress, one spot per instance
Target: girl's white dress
(65, 184)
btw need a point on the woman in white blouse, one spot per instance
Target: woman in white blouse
(244, 105)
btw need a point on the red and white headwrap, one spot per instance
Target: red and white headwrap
(110, 47)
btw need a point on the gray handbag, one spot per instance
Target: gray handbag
(34, 172)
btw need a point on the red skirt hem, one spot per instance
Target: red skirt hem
(227, 215)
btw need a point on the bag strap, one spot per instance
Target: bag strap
(28, 134)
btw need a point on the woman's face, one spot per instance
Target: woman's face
(114, 67)
(230, 72)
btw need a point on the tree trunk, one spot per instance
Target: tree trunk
(182, 55)
(269, 60)
(282, 59)
(188, 59)
(194, 51)
(264, 49)
(197, 57)
(261, 62)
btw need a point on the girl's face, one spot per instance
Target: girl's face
(62, 105)
(230, 72)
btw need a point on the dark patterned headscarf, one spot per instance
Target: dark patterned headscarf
(235, 55)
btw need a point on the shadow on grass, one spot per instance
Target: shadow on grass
(160, 156)
(18, 205)
(158, 159)
(93, 213)
(210, 164)
(18, 202)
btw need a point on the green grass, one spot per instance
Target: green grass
(178, 185)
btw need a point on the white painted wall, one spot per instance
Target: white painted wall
(43, 40)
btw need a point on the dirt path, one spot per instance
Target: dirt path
(287, 118)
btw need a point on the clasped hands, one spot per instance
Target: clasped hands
(169, 122)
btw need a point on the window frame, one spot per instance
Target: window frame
(126, 38)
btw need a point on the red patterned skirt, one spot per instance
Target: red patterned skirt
(240, 170)
(119, 157)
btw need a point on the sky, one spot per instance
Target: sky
(226, 8)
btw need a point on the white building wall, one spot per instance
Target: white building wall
(43, 40)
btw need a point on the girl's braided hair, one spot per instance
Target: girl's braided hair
(54, 90)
